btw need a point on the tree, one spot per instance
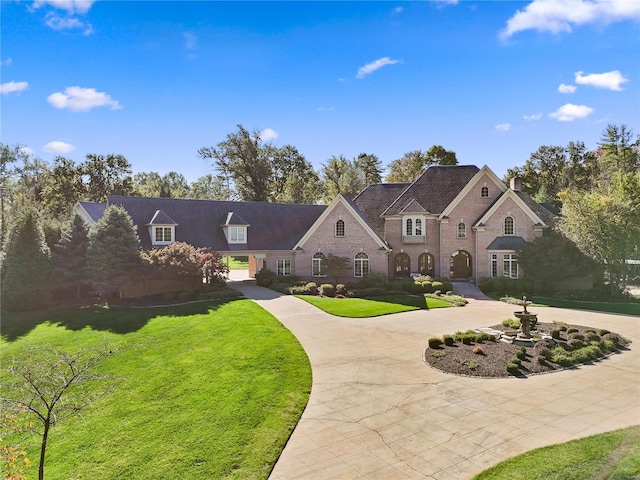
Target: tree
(605, 224)
(64, 187)
(412, 164)
(210, 187)
(107, 175)
(170, 185)
(550, 259)
(176, 261)
(242, 159)
(618, 150)
(371, 166)
(26, 266)
(52, 385)
(342, 176)
(70, 255)
(293, 178)
(336, 266)
(113, 250)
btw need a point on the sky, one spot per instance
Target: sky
(157, 80)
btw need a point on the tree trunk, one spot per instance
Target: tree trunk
(43, 447)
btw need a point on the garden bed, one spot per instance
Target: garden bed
(487, 358)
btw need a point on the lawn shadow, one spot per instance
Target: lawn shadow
(418, 301)
(118, 320)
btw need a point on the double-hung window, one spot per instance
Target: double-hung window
(319, 265)
(237, 234)
(284, 266)
(510, 265)
(163, 234)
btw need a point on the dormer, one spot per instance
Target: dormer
(162, 229)
(235, 229)
(414, 222)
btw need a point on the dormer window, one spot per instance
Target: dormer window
(413, 229)
(237, 234)
(235, 229)
(162, 229)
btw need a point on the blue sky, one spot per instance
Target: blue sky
(156, 80)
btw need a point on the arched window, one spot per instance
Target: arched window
(425, 264)
(319, 265)
(402, 265)
(418, 227)
(509, 225)
(361, 265)
(340, 228)
(462, 230)
(484, 192)
(409, 228)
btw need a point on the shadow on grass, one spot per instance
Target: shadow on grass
(418, 301)
(118, 320)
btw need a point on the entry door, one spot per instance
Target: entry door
(460, 264)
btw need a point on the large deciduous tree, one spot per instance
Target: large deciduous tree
(64, 187)
(26, 266)
(113, 250)
(342, 176)
(51, 386)
(605, 223)
(107, 175)
(211, 187)
(412, 164)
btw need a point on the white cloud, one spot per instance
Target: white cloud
(503, 127)
(57, 22)
(569, 112)
(70, 6)
(7, 62)
(558, 16)
(609, 80)
(375, 65)
(190, 40)
(268, 134)
(58, 147)
(564, 88)
(82, 99)
(535, 116)
(11, 87)
(398, 10)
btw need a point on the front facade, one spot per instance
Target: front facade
(459, 222)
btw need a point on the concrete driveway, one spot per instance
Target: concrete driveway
(377, 411)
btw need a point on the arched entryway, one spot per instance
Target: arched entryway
(460, 265)
(402, 265)
(425, 264)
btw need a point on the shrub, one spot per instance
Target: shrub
(479, 337)
(300, 290)
(612, 337)
(367, 292)
(513, 368)
(435, 342)
(449, 292)
(265, 277)
(427, 286)
(576, 335)
(438, 353)
(437, 293)
(571, 330)
(422, 279)
(562, 328)
(468, 338)
(437, 285)
(603, 331)
(446, 283)
(521, 355)
(592, 337)
(448, 340)
(523, 349)
(555, 334)
(478, 350)
(341, 289)
(589, 330)
(542, 349)
(466, 363)
(511, 323)
(312, 287)
(517, 361)
(280, 287)
(327, 290)
(417, 288)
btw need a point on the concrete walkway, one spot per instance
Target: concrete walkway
(377, 411)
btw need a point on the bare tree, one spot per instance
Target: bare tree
(52, 385)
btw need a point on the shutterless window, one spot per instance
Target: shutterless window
(510, 265)
(340, 228)
(236, 234)
(484, 192)
(509, 226)
(361, 265)
(409, 228)
(418, 226)
(462, 230)
(494, 265)
(319, 265)
(163, 234)
(284, 266)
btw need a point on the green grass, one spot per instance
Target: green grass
(373, 307)
(625, 308)
(235, 263)
(614, 455)
(205, 391)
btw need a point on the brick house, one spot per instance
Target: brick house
(453, 221)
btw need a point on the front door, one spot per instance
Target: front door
(460, 265)
(402, 265)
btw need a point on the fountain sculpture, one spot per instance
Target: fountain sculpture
(527, 320)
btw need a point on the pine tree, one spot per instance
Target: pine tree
(70, 254)
(26, 267)
(113, 250)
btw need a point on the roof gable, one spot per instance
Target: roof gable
(91, 211)
(375, 199)
(414, 207)
(234, 219)
(510, 194)
(471, 184)
(161, 218)
(352, 208)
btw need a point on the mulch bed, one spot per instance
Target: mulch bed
(458, 358)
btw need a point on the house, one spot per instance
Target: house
(454, 221)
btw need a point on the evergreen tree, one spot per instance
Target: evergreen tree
(113, 250)
(70, 254)
(26, 266)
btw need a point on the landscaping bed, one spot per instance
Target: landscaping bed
(484, 356)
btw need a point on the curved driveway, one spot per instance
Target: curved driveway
(377, 411)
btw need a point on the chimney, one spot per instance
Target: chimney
(516, 184)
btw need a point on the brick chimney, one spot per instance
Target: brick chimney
(516, 184)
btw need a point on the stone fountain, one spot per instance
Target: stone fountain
(527, 320)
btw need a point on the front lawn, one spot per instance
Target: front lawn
(612, 455)
(205, 391)
(612, 307)
(373, 307)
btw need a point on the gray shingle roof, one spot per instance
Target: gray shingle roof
(94, 209)
(375, 199)
(234, 219)
(507, 243)
(161, 218)
(273, 226)
(435, 188)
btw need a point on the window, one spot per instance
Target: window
(340, 228)
(409, 227)
(319, 265)
(462, 230)
(509, 226)
(484, 192)
(361, 265)
(284, 266)
(237, 235)
(163, 234)
(494, 265)
(418, 230)
(510, 265)
(425, 264)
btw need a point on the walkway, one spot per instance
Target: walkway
(376, 411)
